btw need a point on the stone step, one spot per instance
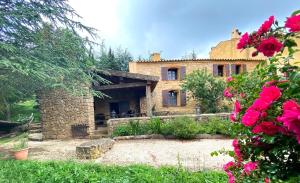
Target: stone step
(35, 130)
(101, 130)
(35, 126)
(35, 137)
(98, 136)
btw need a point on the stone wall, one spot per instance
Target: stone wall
(113, 123)
(60, 110)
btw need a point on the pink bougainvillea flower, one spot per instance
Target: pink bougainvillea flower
(261, 105)
(250, 167)
(291, 117)
(267, 180)
(233, 117)
(266, 127)
(263, 114)
(265, 27)
(228, 165)
(269, 46)
(229, 79)
(244, 41)
(237, 106)
(227, 93)
(237, 150)
(293, 23)
(250, 117)
(231, 178)
(270, 94)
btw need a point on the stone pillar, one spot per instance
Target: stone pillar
(60, 110)
(148, 99)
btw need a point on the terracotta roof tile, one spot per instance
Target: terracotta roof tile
(199, 59)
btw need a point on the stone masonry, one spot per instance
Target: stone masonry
(60, 110)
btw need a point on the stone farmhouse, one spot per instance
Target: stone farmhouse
(151, 87)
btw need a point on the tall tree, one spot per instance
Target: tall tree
(115, 60)
(36, 54)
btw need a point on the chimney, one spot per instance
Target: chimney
(155, 57)
(235, 34)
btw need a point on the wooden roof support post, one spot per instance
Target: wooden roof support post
(148, 99)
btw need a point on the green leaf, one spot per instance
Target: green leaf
(296, 12)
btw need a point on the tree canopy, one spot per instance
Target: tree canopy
(40, 48)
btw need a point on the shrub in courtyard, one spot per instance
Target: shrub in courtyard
(154, 126)
(206, 89)
(267, 108)
(184, 128)
(217, 126)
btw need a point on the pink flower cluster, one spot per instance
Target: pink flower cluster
(291, 117)
(266, 26)
(268, 45)
(227, 93)
(237, 150)
(258, 109)
(227, 168)
(293, 23)
(237, 109)
(250, 167)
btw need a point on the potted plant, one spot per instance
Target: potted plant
(20, 150)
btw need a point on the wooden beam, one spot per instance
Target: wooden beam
(148, 100)
(121, 85)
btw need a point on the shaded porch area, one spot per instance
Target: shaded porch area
(128, 95)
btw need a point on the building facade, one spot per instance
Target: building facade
(168, 97)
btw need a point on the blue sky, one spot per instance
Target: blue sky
(176, 27)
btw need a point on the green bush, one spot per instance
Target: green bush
(182, 128)
(185, 128)
(33, 171)
(154, 126)
(218, 126)
(122, 130)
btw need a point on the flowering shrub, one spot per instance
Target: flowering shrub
(267, 108)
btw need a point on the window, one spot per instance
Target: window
(172, 99)
(172, 74)
(221, 70)
(238, 69)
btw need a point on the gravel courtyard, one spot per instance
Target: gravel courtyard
(193, 155)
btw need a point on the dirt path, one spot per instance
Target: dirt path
(194, 155)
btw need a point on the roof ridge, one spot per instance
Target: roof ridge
(204, 59)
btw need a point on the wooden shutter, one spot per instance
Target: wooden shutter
(233, 69)
(244, 66)
(215, 70)
(165, 96)
(182, 72)
(183, 98)
(164, 73)
(227, 70)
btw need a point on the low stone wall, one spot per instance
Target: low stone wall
(113, 123)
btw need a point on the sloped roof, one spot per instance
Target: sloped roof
(130, 75)
(199, 60)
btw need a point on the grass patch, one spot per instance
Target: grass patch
(33, 171)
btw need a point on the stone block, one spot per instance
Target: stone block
(94, 149)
